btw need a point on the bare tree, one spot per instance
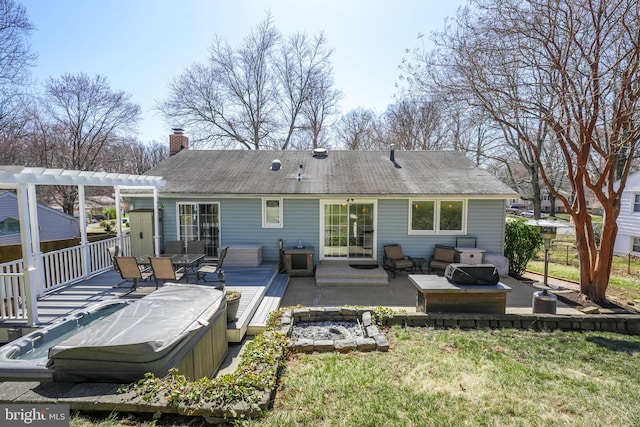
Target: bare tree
(415, 124)
(452, 72)
(232, 98)
(136, 157)
(356, 130)
(256, 96)
(15, 61)
(79, 120)
(321, 106)
(302, 68)
(13, 150)
(573, 69)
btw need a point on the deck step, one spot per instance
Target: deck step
(243, 279)
(341, 273)
(326, 282)
(270, 302)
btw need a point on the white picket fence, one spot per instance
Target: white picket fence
(59, 268)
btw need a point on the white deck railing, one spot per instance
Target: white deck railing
(11, 291)
(59, 268)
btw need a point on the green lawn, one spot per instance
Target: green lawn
(452, 377)
(467, 378)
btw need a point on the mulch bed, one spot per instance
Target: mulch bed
(577, 300)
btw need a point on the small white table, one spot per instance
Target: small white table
(438, 294)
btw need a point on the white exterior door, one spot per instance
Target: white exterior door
(348, 230)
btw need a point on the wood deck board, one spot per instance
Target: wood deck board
(270, 302)
(252, 281)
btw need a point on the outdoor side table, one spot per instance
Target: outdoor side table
(417, 264)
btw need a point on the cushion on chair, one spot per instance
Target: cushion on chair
(403, 263)
(444, 254)
(394, 252)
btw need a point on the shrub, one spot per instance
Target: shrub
(109, 212)
(521, 243)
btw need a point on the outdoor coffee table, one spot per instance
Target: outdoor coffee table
(438, 294)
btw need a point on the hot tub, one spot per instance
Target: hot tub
(181, 326)
(27, 358)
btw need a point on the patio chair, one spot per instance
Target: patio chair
(114, 251)
(173, 247)
(163, 269)
(196, 247)
(395, 260)
(130, 270)
(214, 268)
(441, 258)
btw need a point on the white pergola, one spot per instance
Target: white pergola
(25, 179)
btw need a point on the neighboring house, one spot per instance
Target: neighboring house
(344, 204)
(628, 239)
(53, 225)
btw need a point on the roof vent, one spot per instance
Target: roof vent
(392, 157)
(276, 165)
(320, 153)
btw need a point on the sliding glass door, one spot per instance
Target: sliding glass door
(348, 230)
(200, 221)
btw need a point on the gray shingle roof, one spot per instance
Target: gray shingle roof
(222, 172)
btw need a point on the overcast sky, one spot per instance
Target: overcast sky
(139, 45)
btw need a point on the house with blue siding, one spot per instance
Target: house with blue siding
(628, 238)
(53, 224)
(346, 205)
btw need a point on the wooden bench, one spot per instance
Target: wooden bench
(270, 302)
(438, 294)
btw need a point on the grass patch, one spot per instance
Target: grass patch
(452, 377)
(455, 378)
(624, 281)
(621, 288)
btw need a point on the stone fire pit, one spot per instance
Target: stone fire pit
(324, 329)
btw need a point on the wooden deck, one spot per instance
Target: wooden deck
(270, 302)
(253, 282)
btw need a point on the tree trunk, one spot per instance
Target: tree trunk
(552, 205)
(602, 270)
(595, 264)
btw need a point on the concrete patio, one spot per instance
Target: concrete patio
(400, 294)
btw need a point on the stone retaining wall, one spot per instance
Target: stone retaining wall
(620, 323)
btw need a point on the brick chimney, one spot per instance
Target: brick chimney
(178, 141)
